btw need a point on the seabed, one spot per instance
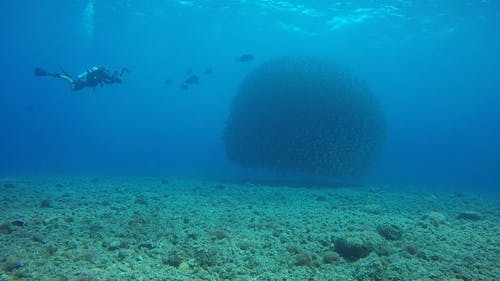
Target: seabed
(78, 228)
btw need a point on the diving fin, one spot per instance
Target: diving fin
(40, 72)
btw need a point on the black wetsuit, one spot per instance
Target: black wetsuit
(97, 76)
(91, 78)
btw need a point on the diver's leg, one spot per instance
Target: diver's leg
(68, 79)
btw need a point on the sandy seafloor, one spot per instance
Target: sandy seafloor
(177, 229)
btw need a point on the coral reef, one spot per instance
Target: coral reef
(201, 231)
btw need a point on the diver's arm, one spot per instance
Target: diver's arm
(124, 70)
(112, 80)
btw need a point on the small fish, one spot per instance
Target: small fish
(168, 81)
(184, 87)
(246, 58)
(208, 71)
(192, 79)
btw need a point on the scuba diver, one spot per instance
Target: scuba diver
(97, 75)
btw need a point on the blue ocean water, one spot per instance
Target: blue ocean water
(434, 66)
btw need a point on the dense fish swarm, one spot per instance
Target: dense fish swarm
(304, 115)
